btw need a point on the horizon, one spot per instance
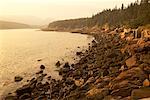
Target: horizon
(55, 10)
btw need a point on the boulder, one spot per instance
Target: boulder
(128, 80)
(131, 62)
(140, 93)
(131, 74)
(97, 94)
(123, 88)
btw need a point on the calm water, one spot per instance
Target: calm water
(21, 48)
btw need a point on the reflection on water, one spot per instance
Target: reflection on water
(21, 48)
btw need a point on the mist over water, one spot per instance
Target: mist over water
(21, 48)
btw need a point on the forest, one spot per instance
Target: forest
(134, 15)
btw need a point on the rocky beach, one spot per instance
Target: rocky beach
(116, 66)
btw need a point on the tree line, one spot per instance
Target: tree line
(134, 15)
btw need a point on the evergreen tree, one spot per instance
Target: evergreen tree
(122, 7)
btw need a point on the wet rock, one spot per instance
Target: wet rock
(63, 71)
(10, 97)
(24, 89)
(49, 77)
(18, 78)
(78, 53)
(58, 64)
(42, 67)
(66, 65)
(25, 96)
(40, 72)
(84, 79)
(140, 93)
(93, 41)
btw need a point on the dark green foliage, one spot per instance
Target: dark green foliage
(133, 16)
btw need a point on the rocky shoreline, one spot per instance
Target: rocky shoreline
(115, 67)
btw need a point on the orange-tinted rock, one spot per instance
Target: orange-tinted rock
(146, 83)
(131, 61)
(140, 93)
(130, 74)
(79, 82)
(93, 91)
(126, 81)
(97, 94)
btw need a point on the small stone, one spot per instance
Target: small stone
(79, 82)
(39, 60)
(58, 64)
(131, 62)
(49, 77)
(66, 65)
(42, 67)
(146, 83)
(24, 89)
(18, 78)
(40, 72)
(78, 53)
(106, 72)
(122, 68)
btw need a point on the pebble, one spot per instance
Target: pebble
(42, 67)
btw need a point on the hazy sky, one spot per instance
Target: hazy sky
(57, 9)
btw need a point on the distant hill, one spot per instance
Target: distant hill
(12, 25)
(134, 15)
(29, 20)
